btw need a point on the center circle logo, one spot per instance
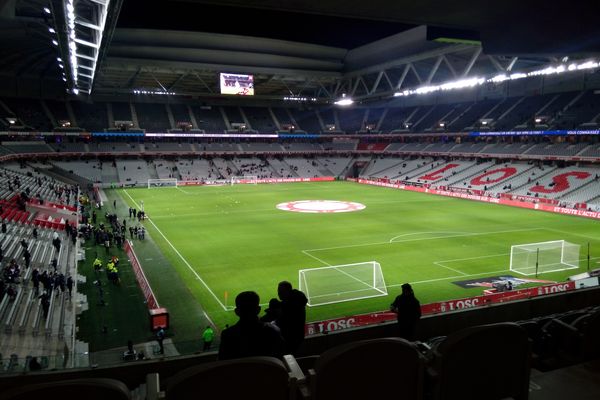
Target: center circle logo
(321, 206)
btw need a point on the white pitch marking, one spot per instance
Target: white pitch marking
(316, 258)
(441, 263)
(449, 277)
(184, 192)
(473, 258)
(451, 269)
(427, 238)
(571, 233)
(185, 261)
(422, 233)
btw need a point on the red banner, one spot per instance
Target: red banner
(486, 199)
(151, 301)
(252, 181)
(354, 321)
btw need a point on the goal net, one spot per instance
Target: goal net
(246, 179)
(165, 182)
(539, 258)
(339, 283)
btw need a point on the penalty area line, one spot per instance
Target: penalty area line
(449, 277)
(306, 252)
(185, 262)
(442, 262)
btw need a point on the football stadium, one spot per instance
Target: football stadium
(426, 178)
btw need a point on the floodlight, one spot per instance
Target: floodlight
(54, 42)
(11, 120)
(75, 91)
(344, 101)
(51, 30)
(47, 10)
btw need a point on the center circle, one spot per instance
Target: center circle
(320, 206)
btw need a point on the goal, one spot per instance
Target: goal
(246, 179)
(538, 258)
(339, 283)
(165, 182)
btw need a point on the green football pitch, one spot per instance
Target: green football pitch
(223, 240)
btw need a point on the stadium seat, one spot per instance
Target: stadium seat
(369, 369)
(74, 389)
(264, 378)
(489, 362)
(578, 341)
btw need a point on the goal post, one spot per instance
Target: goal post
(165, 182)
(340, 283)
(543, 257)
(245, 179)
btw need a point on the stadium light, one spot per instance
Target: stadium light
(452, 85)
(472, 82)
(93, 40)
(47, 10)
(344, 101)
(54, 42)
(153, 92)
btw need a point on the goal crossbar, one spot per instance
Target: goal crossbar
(543, 257)
(341, 283)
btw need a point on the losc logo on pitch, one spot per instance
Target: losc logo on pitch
(459, 304)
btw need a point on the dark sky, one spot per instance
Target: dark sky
(309, 28)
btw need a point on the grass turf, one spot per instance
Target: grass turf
(222, 240)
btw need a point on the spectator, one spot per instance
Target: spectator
(207, 336)
(408, 310)
(34, 364)
(249, 337)
(160, 336)
(70, 285)
(293, 316)
(273, 312)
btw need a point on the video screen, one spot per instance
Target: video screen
(239, 84)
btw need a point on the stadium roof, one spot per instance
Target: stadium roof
(303, 48)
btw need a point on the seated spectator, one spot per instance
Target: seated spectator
(249, 336)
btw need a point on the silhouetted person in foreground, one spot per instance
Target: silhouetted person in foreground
(292, 318)
(408, 310)
(249, 337)
(273, 313)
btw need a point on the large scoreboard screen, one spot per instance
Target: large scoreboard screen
(239, 84)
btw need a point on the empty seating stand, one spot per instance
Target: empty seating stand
(483, 362)
(264, 378)
(383, 368)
